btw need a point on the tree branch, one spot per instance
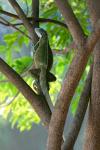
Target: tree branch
(72, 22)
(8, 102)
(39, 103)
(92, 132)
(24, 19)
(27, 11)
(69, 85)
(92, 39)
(35, 13)
(41, 20)
(1, 22)
(13, 26)
(3, 81)
(64, 51)
(80, 113)
(9, 14)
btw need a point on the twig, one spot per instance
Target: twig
(9, 24)
(8, 14)
(3, 23)
(3, 81)
(27, 7)
(8, 102)
(64, 51)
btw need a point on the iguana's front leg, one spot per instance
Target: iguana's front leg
(35, 73)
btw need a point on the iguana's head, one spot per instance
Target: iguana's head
(40, 32)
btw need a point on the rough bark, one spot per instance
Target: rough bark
(92, 139)
(80, 113)
(92, 136)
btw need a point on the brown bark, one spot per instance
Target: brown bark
(35, 14)
(80, 113)
(92, 139)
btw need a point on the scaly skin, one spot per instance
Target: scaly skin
(43, 60)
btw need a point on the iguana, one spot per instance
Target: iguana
(43, 60)
(40, 70)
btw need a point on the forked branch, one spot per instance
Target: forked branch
(24, 19)
(69, 85)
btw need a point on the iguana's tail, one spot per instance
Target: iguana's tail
(43, 84)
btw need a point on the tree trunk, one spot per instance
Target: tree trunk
(93, 127)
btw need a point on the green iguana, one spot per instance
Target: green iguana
(43, 60)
